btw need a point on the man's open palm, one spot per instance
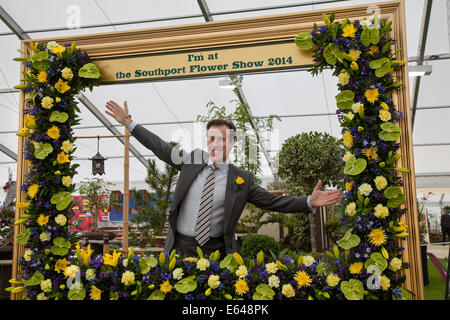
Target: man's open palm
(324, 198)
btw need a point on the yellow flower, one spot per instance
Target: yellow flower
(23, 205)
(355, 268)
(373, 50)
(30, 121)
(288, 291)
(241, 287)
(381, 211)
(61, 265)
(111, 259)
(351, 209)
(385, 115)
(347, 156)
(191, 259)
(344, 78)
(360, 129)
(348, 139)
(27, 255)
(86, 255)
(58, 50)
(53, 132)
(165, 287)
(349, 185)
(349, 31)
(128, 278)
(354, 66)
(303, 279)
(47, 102)
(33, 190)
(239, 180)
(385, 282)
(67, 146)
(42, 76)
(372, 95)
(62, 158)
(67, 73)
(66, 181)
(372, 153)
(57, 99)
(377, 237)
(354, 54)
(402, 227)
(42, 220)
(333, 280)
(96, 293)
(380, 182)
(70, 271)
(34, 45)
(62, 86)
(395, 264)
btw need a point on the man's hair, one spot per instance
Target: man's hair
(223, 122)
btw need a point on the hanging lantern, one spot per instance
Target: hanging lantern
(98, 161)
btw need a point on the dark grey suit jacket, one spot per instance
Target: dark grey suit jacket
(190, 164)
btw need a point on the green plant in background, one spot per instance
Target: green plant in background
(253, 243)
(140, 235)
(97, 197)
(305, 159)
(7, 224)
(334, 227)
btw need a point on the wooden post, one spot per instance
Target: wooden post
(126, 192)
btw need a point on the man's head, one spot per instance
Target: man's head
(220, 135)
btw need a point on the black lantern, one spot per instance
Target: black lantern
(98, 161)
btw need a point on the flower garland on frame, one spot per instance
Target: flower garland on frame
(360, 55)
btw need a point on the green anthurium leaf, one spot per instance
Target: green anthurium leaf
(157, 295)
(229, 263)
(366, 37)
(304, 40)
(352, 289)
(396, 202)
(321, 268)
(376, 64)
(390, 132)
(186, 285)
(349, 240)
(332, 53)
(146, 263)
(76, 294)
(61, 117)
(39, 56)
(355, 166)
(60, 246)
(345, 99)
(376, 259)
(42, 151)
(61, 199)
(35, 279)
(89, 70)
(23, 237)
(263, 292)
(374, 36)
(383, 70)
(392, 192)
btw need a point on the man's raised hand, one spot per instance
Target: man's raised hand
(118, 113)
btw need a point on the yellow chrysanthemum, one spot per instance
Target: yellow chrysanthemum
(373, 50)
(377, 237)
(241, 287)
(42, 220)
(96, 293)
(354, 54)
(33, 190)
(371, 153)
(62, 86)
(61, 265)
(53, 132)
(348, 139)
(62, 158)
(42, 76)
(355, 268)
(372, 95)
(349, 31)
(303, 279)
(165, 287)
(381, 211)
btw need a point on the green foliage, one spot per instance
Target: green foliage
(252, 244)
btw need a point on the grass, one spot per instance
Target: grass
(435, 290)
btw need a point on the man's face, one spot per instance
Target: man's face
(219, 143)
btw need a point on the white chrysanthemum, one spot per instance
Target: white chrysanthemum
(380, 182)
(41, 296)
(213, 281)
(365, 189)
(381, 211)
(51, 45)
(45, 236)
(385, 282)
(47, 102)
(61, 219)
(241, 272)
(333, 280)
(308, 260)
(351, 209)
(90, 274)
(395, 264)
(125, 262)
(271, 267)
(288, 291)
(178, 273)
(128, 278)
(274, 281)
(202, 264)
(46, 285)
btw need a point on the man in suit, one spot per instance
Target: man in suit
(445, 223)
(211, 192)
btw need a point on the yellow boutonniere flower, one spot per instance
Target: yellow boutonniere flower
(239, 181)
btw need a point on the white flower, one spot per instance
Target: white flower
(128, 278)
(351, 209)
(380, 182)
(333, 280)
(125, 262)
(271, 267)
(288, 291)
(178, 273)
(213, 281)
(343, 78)
(241, 272)
(51, 45)
(67, 73)
(61, 219)
(395, 264)
(365, 189)
(46, 285)
(381, 211)
(357, 106)
(274, 281)
(71, 270)
(45, 236)
(41, 296)
(90, 274)
(308, 260)
(202, 264)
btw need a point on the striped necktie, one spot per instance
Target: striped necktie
(203, 227)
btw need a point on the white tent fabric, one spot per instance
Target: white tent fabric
(169, 108)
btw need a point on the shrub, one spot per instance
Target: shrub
(253, 243)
